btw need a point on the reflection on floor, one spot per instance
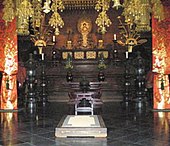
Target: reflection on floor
(126, 127)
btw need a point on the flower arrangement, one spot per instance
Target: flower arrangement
(101, 62)
(69, 63)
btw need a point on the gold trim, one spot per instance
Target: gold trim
(91, 55)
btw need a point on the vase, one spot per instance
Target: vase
(69, 77)
(101, 76)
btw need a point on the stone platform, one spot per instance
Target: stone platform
(81, 126)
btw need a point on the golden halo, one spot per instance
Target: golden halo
(84, 25)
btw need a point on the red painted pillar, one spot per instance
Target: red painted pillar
(161, 61)
(8, 64)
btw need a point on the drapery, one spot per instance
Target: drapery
(8, 63)
(161, 61)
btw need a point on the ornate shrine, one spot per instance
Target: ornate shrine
(85, 48)
(81, 38)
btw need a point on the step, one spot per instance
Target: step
(106, 96)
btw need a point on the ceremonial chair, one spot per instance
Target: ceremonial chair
(84, 102)
(92, 95)
(96, 96)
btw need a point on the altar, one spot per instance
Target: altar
(86, 46)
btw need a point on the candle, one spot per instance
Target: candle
(53, 38)
(114, 37)
(42, 55)
(126, 54)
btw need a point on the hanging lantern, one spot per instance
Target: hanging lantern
(46, 8)
(117, 4)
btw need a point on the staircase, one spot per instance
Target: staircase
(56, 77)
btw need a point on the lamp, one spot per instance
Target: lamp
(117, 4)
(42, 35)
(46, 8)
(130, 35)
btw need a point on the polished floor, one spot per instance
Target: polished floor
(125, 127)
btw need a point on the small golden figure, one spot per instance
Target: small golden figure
(84, 27)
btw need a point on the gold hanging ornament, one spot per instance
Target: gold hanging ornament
(158, 10)
(24, 12)
(102, 20)
(56, 21)
(139, 12)
(37, 16)
(8, 11)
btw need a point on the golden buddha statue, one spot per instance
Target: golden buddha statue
(84, 27)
